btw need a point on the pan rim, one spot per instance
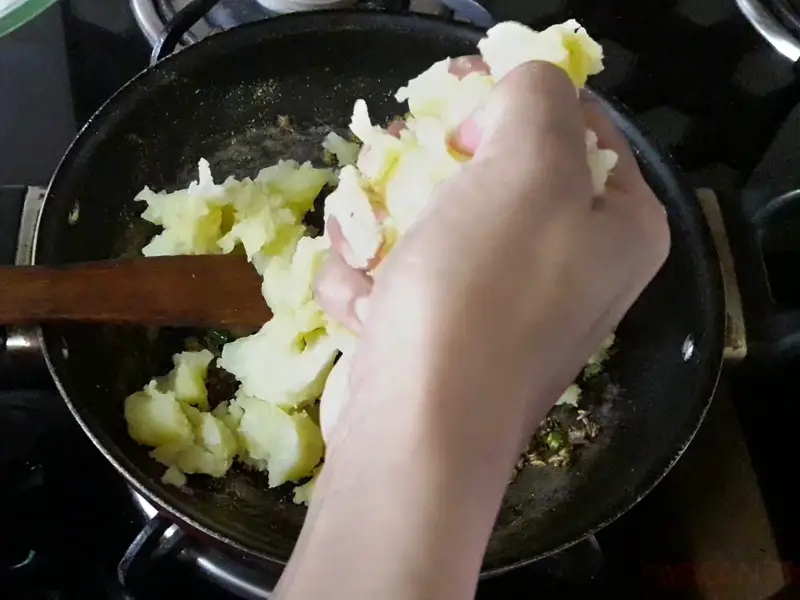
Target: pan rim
(337, 20)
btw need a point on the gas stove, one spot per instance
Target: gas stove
(153, 15)
(712, 82)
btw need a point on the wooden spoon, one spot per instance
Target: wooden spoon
(183, 291)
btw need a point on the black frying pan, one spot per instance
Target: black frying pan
(220, 99)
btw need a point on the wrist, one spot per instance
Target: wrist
(395, 495)
(376, 534)
(416, 469)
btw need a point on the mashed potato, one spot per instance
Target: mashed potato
(168, 414)
(284, 368)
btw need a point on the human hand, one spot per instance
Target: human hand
(473, 325)
(516, 272)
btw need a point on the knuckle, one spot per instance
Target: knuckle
(540, 75)
(654, 226)
(396, 127)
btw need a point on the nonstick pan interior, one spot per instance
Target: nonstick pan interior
(222, 100)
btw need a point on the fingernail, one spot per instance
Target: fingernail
(396, 127)
(361, 308)
(467, 65)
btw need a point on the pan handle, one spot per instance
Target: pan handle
(151, 555)
(745, 233)
(22, 364)
(147, 551)
(174, 31)
(735, 330)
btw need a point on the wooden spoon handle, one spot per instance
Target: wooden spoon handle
(182, 291)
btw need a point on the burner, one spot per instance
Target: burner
(153, 15)
(787, 13)
(777, 21)
(63, 512)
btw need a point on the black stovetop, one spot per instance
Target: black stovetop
(694, 74)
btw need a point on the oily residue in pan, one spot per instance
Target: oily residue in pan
(248, 151)
(536, 490)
